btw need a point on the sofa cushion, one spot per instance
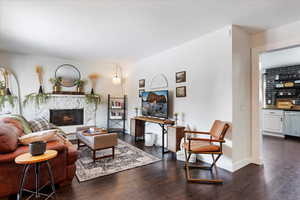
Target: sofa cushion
(8, 137)
(41, 124)
(13, 122)
(45, 136)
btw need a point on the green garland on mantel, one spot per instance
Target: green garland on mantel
(7, 98)
(93, 99)
(36, 98)
(41, 98)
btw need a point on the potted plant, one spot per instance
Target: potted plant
(79, 84)
(56, 84)
(2, 88)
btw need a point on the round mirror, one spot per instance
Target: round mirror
(68, 74)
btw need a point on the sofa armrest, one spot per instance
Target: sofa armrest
(72, 153)
(10, 157)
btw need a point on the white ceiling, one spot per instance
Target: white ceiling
(127, 29)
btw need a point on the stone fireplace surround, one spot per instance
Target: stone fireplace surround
(64, 102)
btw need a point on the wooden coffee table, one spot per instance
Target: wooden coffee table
(28, 160)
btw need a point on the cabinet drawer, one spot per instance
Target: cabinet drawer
(273, 112)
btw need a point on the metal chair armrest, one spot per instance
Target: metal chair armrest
(197, 132)
(206, 139)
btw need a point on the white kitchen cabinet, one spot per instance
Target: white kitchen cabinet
(292, 123)
(273, 121)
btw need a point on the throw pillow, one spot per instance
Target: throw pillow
(13, 122)
(8, 138)
(25, 125)
(41, 124)
(45, 136)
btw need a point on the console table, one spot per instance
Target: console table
(138, 128)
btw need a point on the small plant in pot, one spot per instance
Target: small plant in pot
(56, 82)
(79, 84)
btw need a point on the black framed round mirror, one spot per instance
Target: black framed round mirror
(69, 74)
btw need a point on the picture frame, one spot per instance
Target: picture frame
(141, 92)
(142, 83)
(180, 77)
(181, 91)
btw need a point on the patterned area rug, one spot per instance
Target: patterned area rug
(126, 157)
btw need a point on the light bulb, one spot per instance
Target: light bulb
(116, 80)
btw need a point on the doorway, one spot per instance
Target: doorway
(268, 63)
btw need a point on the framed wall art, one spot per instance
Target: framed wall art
(142, 83)
(180, 77)
(181, 91)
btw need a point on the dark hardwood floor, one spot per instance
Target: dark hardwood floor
(278, 179)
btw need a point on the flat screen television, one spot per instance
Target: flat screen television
(155, 103)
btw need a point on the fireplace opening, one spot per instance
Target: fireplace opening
(66, 117)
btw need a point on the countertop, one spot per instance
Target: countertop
(281, 109)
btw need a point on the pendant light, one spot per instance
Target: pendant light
(116, 78)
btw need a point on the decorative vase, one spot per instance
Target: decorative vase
(2, 92)
(92, 91)
(56, 88)
(8, 91)
(37, 148)
(41, 90)
(176, 118)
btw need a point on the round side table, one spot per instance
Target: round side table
(28, 160)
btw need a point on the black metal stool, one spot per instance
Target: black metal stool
(36, 161)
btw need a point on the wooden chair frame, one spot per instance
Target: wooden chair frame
(189, 152)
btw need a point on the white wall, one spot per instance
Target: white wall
(207, 61)
(24, 67)
(277, 36)
(241, 97)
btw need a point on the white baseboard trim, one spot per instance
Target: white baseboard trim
(257, 161)
(273, 134)
(241, 163)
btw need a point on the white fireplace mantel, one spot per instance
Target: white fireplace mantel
(64, 102)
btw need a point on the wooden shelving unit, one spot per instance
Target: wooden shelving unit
(116, 114)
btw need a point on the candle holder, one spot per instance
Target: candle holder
(136, 111)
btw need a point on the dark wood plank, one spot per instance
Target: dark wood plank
(279, 178)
